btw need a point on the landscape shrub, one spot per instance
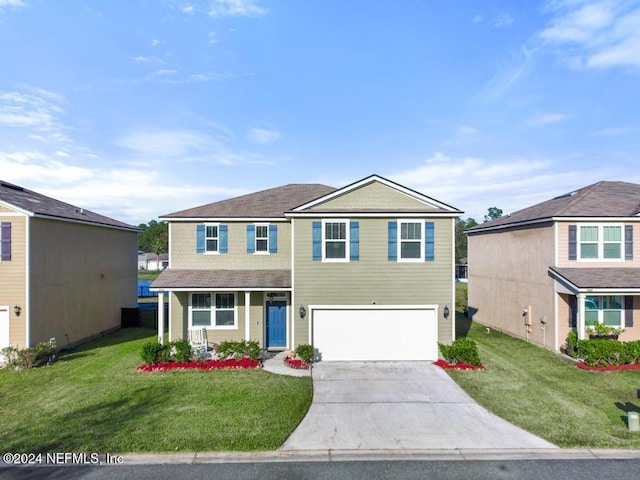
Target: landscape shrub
(36, 356)
(155, 352)
(602, 353)
(305, 352)
(181, 350)
(572, 343)
(239, 349)
(462, 350)
(632, 350)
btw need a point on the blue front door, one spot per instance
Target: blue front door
(276, 324)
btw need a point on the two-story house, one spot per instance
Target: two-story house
(65, 272)
(363, 272)
(564, 264)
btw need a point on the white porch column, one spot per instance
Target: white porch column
(247, 316)
(161, 317)
(580, 316)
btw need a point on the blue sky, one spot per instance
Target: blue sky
(140, 108)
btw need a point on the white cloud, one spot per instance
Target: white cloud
(601, 34)
(236, 8)
(155, 42)
(615, 131)
(12, 3)
(139, 59)
(168, 143)
(478, 18)
(262, 136)
(517, 66)
(39, 109)
(466, 130)
(188, 9)
(474, 184)
(213, 38)
(546, 119)
(163, 71)
(502, 20)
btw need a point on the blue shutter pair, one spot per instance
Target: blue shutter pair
(222, 238)
(429, 241)
(5, 241)
(273, 239)
(354, 241)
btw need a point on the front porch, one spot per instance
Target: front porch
(591, 297)
(230, 305)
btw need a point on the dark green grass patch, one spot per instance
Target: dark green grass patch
(94, 400)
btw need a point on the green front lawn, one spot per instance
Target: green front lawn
(547, 395)
(93, 400)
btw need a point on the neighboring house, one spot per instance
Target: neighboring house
(65, 272)
(462, 270)
(150, 261)
(561, 265)
(361, 272)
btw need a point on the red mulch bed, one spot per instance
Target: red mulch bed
(458, 366)
(609, 368)
(296, 363)
(206, 365)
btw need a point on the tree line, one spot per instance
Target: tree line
(465, 224)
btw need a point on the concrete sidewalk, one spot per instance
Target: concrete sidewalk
(276, 365)
(400, 407)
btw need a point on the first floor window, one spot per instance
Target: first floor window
(606, 310)
(213, 310)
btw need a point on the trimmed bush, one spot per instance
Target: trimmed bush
(305, 352)
(632, 351)
(240, 349)
(602, 353)
(155, 352)
(462, 350)
(572, 342)
(181, 350)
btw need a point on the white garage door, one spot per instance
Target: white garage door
(380, 333)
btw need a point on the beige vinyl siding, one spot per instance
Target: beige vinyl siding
(374, 195)
(4, 209)
(13, 280)
(508, 270)
(81, 278)
(563, 248)
(564, 326)
(179, 318)
(373, 278)
(183, 253)
(257, 314)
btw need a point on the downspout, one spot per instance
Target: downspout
(293, 295)
(28, 282)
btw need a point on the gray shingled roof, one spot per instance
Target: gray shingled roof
(602, 199)
(600, 277)
(269, 203)
(240, 279)
(41, 205)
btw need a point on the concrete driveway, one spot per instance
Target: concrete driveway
(398, 406)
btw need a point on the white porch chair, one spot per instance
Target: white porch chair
(198, 339)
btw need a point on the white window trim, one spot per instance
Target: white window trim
(347, 248)
(255, 239)
(602, 310)
(207, 252)
(213, 325)
(420, 259)
(601, 242)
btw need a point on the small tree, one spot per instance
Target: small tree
(158, 246)
(492, 214)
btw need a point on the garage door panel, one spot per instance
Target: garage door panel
(375, 334)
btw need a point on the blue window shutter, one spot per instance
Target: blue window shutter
(317, 240)
(251, 238)
(628, 242)
(393, 241)
(273, 238)
(628, 312)
(222, 242)
(573, 242)
(429, 241)
(354, 240)
(5, 240)
(200, 238)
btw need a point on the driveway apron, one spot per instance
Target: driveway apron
(398, 406)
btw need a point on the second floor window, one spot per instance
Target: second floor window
(411, 240)
(262, 238)
(600, 242)
(335, 240)
(211, 238)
